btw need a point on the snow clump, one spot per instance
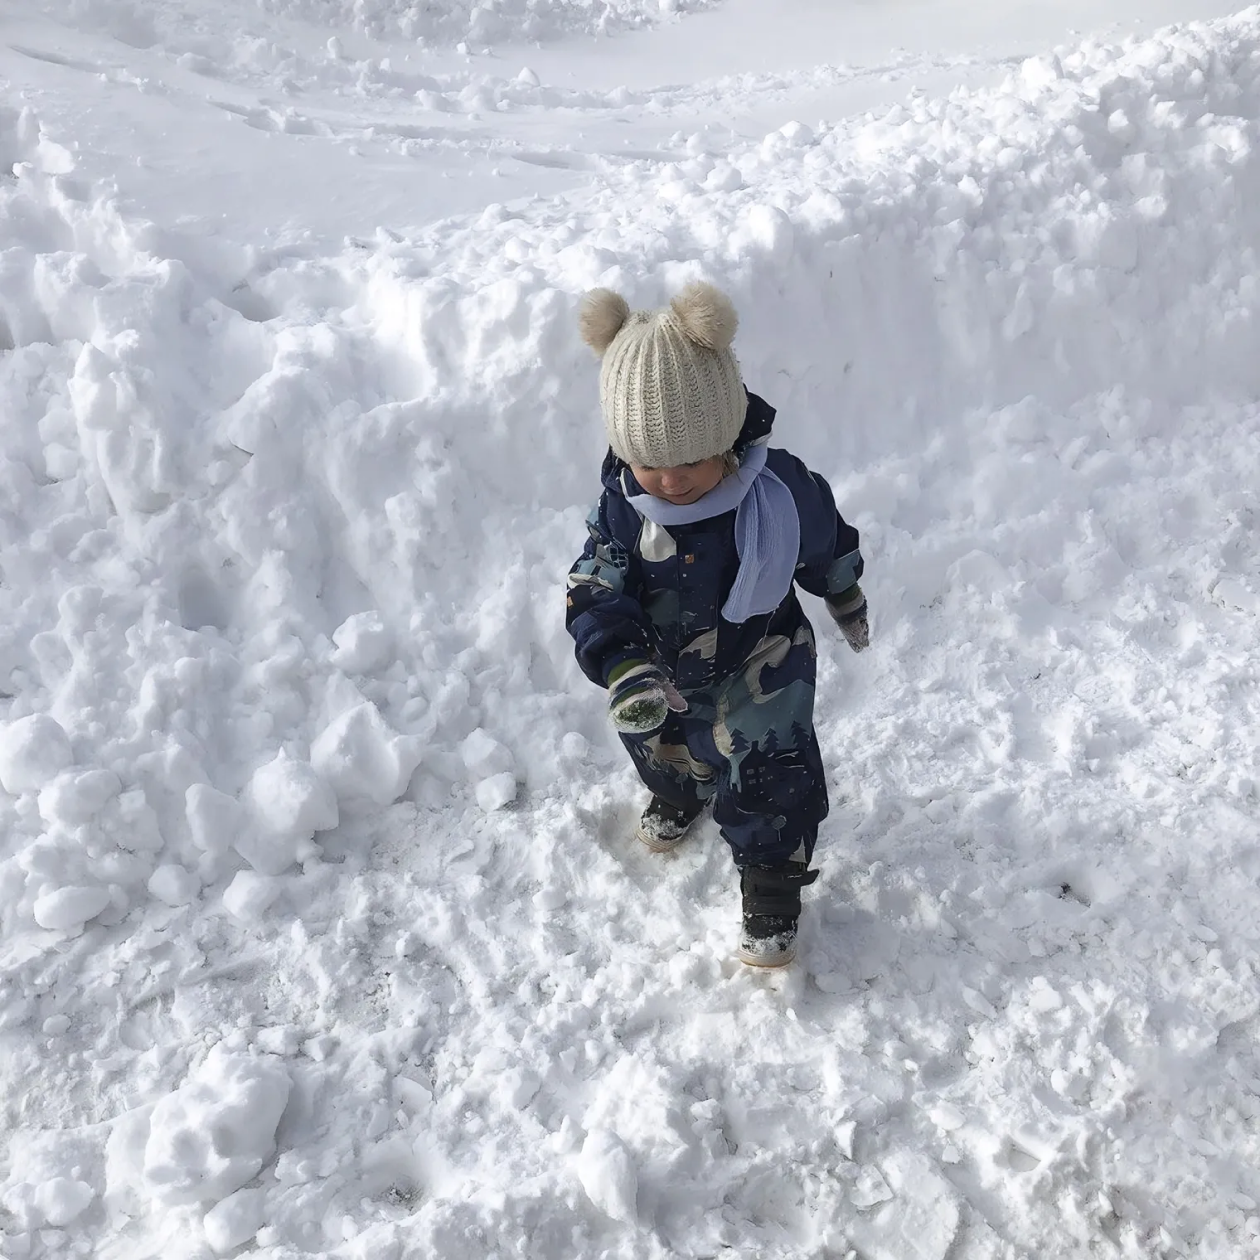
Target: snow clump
(68, 909)
(214, 1133)
(288, 803)
(608, 1175)
(491, 767)
(235, 1220)
(74, 798)
(33, 750)
(54, 1202)
(249, 895)
(363, 759)
(363, 643)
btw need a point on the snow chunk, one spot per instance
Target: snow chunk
(289, 803)
(1235, 594)
(284, 1040)
(946, 1116)
(913, 1210)
(33, 751)
(496, 792)
(484, 756)
(1039, 73)
(134, 826)
(490, 762)
(72, 799)
(248, 895)
(214, 818)
(978, 1003)
(174, 884)
(364, 643)
(766, 228)
(797, 134)
(869, 1189)
(56, 1202)
(235, 1220)
(68, 909)
(363, 759)
(62, 1199)
(608, 1175)
(216, 1131)
(289, 796)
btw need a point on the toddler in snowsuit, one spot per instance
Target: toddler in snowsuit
(682, 604)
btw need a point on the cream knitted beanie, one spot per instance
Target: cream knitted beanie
(669, 385)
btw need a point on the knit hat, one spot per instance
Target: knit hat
(669, 385)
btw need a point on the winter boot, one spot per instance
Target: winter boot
(772, 907)
(663, 825)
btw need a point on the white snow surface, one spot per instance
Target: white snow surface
(190, 25)
(323, 931)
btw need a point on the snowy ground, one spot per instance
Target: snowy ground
(322, 931)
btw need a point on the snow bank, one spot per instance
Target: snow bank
(258, 33)
(281, 638)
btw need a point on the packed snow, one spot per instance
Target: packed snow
(324, 931)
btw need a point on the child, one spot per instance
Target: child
(682, 604)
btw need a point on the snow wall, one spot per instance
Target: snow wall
(279, 540)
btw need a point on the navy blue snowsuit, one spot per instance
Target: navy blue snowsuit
(747, 738)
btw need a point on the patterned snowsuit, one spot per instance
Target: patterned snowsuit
(747, 739)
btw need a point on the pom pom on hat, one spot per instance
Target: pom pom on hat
(669, 384)
(706, 315)
(602, 317)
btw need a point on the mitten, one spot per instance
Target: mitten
(640, 697)
(848, 611)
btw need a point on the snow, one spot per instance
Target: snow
(288, 802)
(174, 884)
(235, 1220)
(323, 930)
(55, 1202)
(496, 791)
(190, 28)
(32, 751)
(607, 1173)
(68, 908)
(364, 643)
(209, 1137)
(362, 758)
(249, 895)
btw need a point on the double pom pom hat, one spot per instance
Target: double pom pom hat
(669, 385)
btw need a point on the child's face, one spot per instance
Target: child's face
(684, 484)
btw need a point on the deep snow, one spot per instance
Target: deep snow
(323, 930)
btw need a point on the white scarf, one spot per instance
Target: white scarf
(767, 531)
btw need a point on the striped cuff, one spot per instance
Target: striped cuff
(846, 602)
(621, 663)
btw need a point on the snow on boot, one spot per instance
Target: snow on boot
(772, 908)
(663, 825)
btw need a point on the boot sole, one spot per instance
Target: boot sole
(657, 845)
(767, 961)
